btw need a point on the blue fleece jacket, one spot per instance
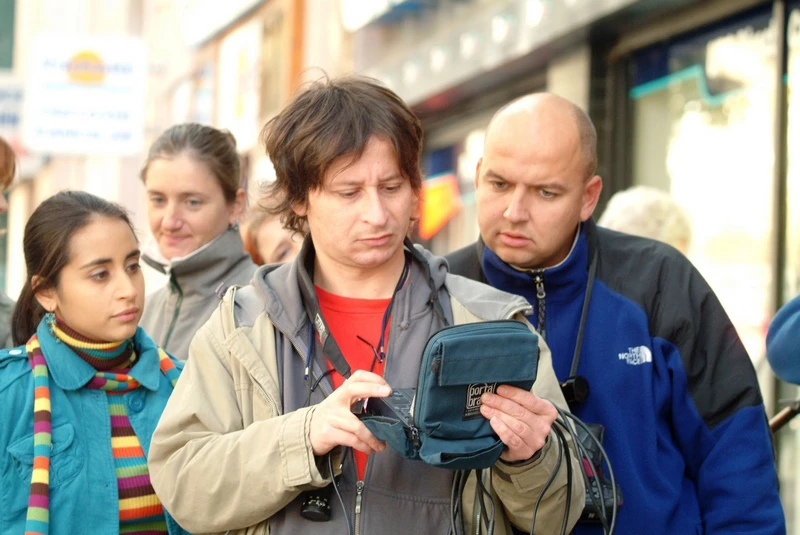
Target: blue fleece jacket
(670, 381)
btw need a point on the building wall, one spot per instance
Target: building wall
(109, 176)
(568, 75)
(183, 85)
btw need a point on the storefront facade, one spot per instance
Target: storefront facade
(711, 112)
(695, 98)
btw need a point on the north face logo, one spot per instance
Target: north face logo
(637, 355)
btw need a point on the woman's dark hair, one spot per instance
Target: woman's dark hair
(46, 246)
(331, 119)
(215, 148)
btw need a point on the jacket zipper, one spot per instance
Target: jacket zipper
(175, 313)
(359, 494)
(538, 279)
(269, 400)
(261, 389)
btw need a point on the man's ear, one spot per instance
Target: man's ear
(300, 209)
(47, 298)
(478, 171)
(237, 206)
(591, 194)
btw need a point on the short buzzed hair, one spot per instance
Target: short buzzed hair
(587, 134)
(329, 120)
(588, 138)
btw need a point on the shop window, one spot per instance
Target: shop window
(703, 108)
(703, 111)
(789, 437)
(459, 159)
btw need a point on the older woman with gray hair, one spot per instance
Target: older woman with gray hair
(651, 213)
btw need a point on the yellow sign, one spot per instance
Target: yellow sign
(86, 67)
(441, 201)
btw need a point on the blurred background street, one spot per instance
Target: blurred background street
(692, 97)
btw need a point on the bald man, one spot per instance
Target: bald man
(668, 377)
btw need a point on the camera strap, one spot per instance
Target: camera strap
(576, 387)
(310, 302)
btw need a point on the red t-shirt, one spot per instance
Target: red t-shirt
(348, 318)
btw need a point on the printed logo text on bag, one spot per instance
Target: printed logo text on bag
(637, 355)
(472, 407)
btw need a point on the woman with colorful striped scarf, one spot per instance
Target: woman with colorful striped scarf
(83, 392)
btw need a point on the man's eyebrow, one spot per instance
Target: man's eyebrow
(357, 182)
(490, 173)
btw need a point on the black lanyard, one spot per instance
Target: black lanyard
(576, 387)
(329, 346)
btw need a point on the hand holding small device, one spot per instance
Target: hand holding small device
(521, 420)
(334, 424)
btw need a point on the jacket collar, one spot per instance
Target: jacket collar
(562, 282)
(279, 284)
(201, 269)
(70, 372)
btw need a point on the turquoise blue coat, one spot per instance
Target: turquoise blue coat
(83, 481)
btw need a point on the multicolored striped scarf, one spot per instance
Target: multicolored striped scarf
(140, 510)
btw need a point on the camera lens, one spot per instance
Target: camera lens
(316, 505)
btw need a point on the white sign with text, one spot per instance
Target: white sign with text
(85, 95)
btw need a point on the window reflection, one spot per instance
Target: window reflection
(703, 110)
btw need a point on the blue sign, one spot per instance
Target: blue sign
(10, 106)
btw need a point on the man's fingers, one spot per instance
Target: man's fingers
(360, 390)
(506, 405)
(343, 438)
(524, 398)
(531, 432)
(365, 376)
(517, 448)
(354, 427)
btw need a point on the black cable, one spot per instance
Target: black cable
(455, 503)
(584, 454)
(612, 478)
(546, 486)
(598, 504)
(568, 459)
(339, 495)
(491, 499)
(479, 492)
(313, 387)
(608, 465)
(488, 521)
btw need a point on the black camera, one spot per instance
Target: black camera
(317, 504)
(599, 494)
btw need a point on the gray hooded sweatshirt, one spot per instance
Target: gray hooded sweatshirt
(173, 314)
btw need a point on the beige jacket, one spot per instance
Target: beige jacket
(225, 459)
